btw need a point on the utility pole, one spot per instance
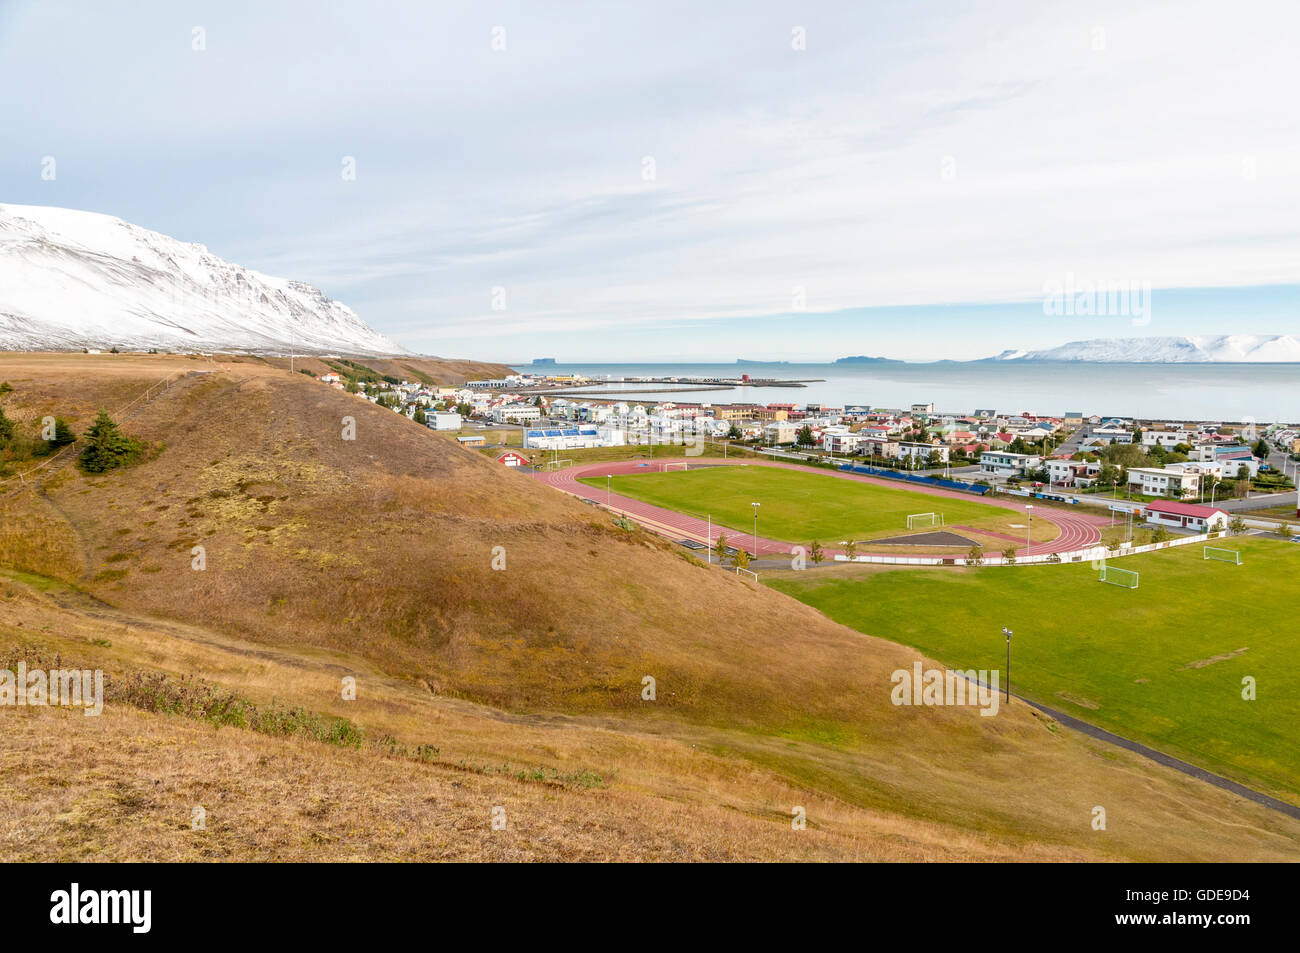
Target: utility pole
(755, 505)
(1008, 633)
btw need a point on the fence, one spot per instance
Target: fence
(915, 478)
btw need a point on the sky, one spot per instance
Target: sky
(688, 181)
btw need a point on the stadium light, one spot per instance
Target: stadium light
(1008, 633)
(608, 478)
(755, 505)
(1029, 508)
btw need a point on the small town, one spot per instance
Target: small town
(1192, 474)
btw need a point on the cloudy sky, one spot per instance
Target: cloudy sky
(689, 181)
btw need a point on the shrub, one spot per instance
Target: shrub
(107, 448)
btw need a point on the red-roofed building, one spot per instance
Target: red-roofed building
(1186, 516)
(512, 459)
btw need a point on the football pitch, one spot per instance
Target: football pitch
(1162, 664)
(806, 505)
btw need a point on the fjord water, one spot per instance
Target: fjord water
(1200, 392)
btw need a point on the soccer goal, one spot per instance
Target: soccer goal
(557, 464)
(924, 519)
(1118, 577)
(664, 468)
(1223, 555)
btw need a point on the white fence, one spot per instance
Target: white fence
(1090, 554)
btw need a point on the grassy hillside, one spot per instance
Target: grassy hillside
(374, 557)
(1163, 663)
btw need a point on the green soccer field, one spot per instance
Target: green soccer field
(803, 505)
(1162, 664)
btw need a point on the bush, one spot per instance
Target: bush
(107, 448)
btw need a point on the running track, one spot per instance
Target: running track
(1077, 530)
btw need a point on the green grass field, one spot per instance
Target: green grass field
(800, 506)
(1162, 664)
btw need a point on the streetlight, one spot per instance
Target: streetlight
(755, 505)
(1029, 508)
(1008, 633)
(608, 477)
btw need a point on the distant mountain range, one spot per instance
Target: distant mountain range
(863, 359)
(73, 280)
(1228, 348)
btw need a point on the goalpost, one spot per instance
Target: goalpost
(665, 467)
(1118, 577)
(557, 464)
(1223, 555)
(924, 519)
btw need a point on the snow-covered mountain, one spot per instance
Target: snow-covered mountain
(71, 279)
(1234, 348)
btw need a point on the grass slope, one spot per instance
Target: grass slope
(1162, 664)
(373, 557)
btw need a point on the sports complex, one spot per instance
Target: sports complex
(698, 500)
(1187, 647)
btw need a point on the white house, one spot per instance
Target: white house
(516, 414)
(920, 452)
(442, 420)
(840, 439)
(1203, 519)
(1164, 438)
(1072, 473)
(1003, 464)
(1164, 481)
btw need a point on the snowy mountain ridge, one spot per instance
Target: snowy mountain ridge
(71, 280)
(1226, 348)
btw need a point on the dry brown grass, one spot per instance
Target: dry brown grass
(373, 557)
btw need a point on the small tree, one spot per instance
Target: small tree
(720, 547)
(1284, 529)
(733, 433)
(107, 448)
(6, 429)
(1261, 448)
(1161, 535)
(740, 559)
(419, 416)
(816, 553)
(63, 434)
(805, 436)
(850, 550)
(1236, 526)
(975, 557)
(1009, 555)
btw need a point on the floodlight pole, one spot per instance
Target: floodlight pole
(708, 538)
(755, 505)
(1029, 524)
(608, 478)
(1008, 633)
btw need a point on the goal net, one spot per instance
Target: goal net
(923, 519)
(664, 468)
(1223, 555)
(557, 464)
(1119, 577)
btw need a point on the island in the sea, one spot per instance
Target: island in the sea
(863, 359)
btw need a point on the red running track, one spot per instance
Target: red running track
(1076, 530)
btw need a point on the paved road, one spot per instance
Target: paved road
(1146, 751)
(1076, 530)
